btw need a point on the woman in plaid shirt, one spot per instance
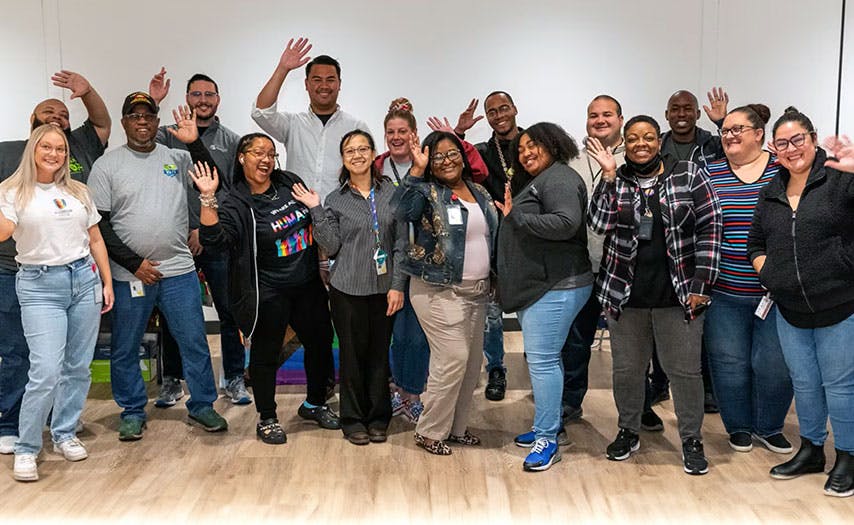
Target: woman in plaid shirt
(662, 224)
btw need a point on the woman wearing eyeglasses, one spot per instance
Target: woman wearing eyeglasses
(273, 275)
(357, 228)
(802, 245)
(748, 371)
(449, 261)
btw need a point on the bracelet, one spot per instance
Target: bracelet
(208, 201)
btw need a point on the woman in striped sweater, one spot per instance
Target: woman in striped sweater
(749, 374)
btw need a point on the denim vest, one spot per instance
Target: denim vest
(435, 250)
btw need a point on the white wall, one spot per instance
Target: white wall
(552, 55)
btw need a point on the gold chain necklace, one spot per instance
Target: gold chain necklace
(507, 171)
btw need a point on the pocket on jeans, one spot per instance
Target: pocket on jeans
(29, 274)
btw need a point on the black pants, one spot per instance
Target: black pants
(576, 353)
(306, 310)
(364, 335)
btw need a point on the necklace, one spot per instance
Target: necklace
(266, 193)
(507, 171)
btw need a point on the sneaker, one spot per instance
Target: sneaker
(397, 405)
(497, 385)
(170, 392)
(543, 455)
(741, 441)
(710, 403)
(271, 432)
(412, 410)
(775, 443)
(209, 420)
(323, 415)
(26, 468)
(130, 429)
(7, 444)
(71, 449)
(236, 391)
(528, 439)
(693, 458)
(625, 445)
(651, 422)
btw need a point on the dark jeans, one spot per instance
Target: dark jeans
(576, 353)
(215, 268)
(364, 333)
(410, 353)
(306, 309)
(15, 356)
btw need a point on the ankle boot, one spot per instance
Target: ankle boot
(808, 460)
(840, 479)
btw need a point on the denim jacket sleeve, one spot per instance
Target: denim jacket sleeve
(413, 202)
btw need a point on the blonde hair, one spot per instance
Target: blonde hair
(23, 181)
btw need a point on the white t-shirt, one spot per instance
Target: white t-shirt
(476, 261)
(53, 229)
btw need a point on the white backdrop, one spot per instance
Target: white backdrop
(553, 56)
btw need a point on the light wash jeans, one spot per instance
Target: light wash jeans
(545, 325)
(60, 312)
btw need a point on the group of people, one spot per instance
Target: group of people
(696, 247)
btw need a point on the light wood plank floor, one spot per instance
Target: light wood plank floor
(179, 474)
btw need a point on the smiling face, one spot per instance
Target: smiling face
(397, 136)
(202, 96)
(258, 160)
(51, 111)
(50, 154)
(682, 113)
(747, 144)
(532, 156)
(604, 122)
(642, 142)
(501, 114)
(358, 155)
(323, 86)
(796, 159)
(141, 127)
(446, 163)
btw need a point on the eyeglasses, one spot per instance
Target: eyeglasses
(361, 150)
(451, 155)
(47, 148)
(500, 110)
(735, 131)
(141, 117)
(796, 140)
(208, 94)
(272, 155)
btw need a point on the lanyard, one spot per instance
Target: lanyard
(376, 221)
(394, 169)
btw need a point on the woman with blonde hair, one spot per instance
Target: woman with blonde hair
(60, 255)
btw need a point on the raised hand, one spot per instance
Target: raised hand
(420, 156)
(306, 196)
(158, 88)
(841, 148)
(436, 124)
(604, 157)
(467, 119)
(206, 181)
(295, 54)
(507, 206)
(187, 130)
(718, 100)
(75, 82)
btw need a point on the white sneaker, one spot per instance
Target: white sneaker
(7, 444)
(25, 467)
(72, 449)
(78, 428)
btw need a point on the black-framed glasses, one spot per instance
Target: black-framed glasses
(208, 94)
(500, 110)
(144, 117)
(735, 131)
(361, 150)
(451, 155)
(272, 155)
(795, 140)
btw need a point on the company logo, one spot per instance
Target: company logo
(60, 203)
(170, 170)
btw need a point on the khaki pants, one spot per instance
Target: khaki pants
(453, 320)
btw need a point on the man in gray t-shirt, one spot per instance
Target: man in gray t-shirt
(140, 190)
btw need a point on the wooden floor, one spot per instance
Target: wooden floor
(179, 474)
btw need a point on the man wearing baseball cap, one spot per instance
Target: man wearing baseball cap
(140, 189)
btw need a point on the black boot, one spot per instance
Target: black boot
(496, 385)
(840, 479)
(808, 460)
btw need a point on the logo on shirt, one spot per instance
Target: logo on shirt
(74, 165)
(294, 243)
(60, 203)
(286, 221)
(170, 170)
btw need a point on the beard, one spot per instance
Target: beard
(37, 123)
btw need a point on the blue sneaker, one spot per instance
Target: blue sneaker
(543, 455)
(397, 405)
(528, 439)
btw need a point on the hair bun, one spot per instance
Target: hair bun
(762, 111)
(400, 104)
(791, 109)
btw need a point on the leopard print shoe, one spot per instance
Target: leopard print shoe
(466, 439)
(437, 447)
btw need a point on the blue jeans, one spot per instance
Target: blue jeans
(14, 354)
(60, 312)
(748, 370)
(493, 337)
(178, 299)
(410, 353)
(821, 363)
(545, 325)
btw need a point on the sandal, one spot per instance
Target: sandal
(437, 447)
(466, 439)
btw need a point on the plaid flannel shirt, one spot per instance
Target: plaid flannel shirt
(693, 227)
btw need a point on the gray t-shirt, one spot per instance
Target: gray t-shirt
(146, 195)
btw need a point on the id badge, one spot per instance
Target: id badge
(98, 291)
(455, 215)
(764, 307)
(381, 259)
(137, 289)
(645, 228)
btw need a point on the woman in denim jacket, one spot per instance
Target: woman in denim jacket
(449, 257)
